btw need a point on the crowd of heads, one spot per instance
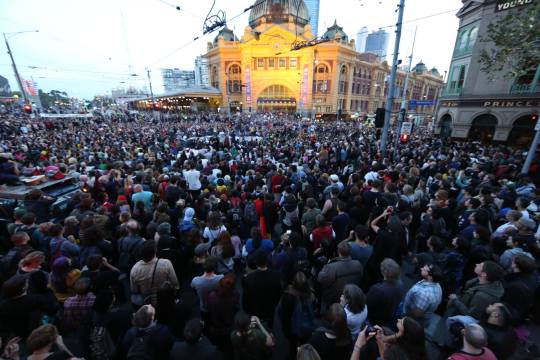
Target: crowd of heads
(254, 213)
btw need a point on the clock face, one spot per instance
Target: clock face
(277, 46)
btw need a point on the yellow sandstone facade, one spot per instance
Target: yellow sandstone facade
(261, 72)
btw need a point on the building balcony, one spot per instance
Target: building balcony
(452, 92)
(462, 52)
(520, 89)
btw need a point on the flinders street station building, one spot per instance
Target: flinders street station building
(259, 70)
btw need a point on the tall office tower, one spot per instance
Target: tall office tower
(202, 77)
(377, 43)
(175, 79)
(361, 39)
(313, 6)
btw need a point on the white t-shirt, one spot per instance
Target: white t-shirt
(213, 234)
(192, 178)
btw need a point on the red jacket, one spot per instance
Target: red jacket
(319, 234)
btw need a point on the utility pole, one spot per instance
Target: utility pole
(19, 81)
(534, 145)
(404, 101)
(391, 92)
(150, 84)
(151, 91)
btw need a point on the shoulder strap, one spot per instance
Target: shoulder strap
(153, 275)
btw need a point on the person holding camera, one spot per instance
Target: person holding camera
(289, 257)
(361, 250)
(389, 243)
(250, 339)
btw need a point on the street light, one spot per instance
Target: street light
(17, 76)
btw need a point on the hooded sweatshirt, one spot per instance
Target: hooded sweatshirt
(476, 297)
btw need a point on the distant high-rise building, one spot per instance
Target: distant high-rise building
(202, 75)
(361, 39)
(377, 43)
(313, 6)
(175, 79)
(5, 90)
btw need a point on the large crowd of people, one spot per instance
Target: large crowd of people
(260, 236)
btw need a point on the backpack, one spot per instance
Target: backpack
(235, 216)
(303, 319)
(137, 350)
(88, 251)
(250, 214)
(297, 263)
(172, 194)
(57, 252)
(128, 256)
(101, 344)
(9, 263)
(162, 189)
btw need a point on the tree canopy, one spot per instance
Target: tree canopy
(516, 40)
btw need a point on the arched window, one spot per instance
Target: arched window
(322, 69)
(462, 41)
(343, 83)
(234, 79)
(276, 92)
(321, 79)
(214, 77)
(473, 34)
(235, 69)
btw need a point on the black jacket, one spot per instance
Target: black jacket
(262, 291)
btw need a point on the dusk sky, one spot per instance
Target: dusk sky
(82, 48)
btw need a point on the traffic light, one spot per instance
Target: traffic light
(534, 117)
(27, 108)
(404, 138)
(379, 117)
(157, 106)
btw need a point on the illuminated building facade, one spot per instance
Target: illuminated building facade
(260, 72)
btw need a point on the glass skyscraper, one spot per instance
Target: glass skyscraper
(377, 43)
(313, 6)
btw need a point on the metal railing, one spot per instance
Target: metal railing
(524, 89)
(452, 92)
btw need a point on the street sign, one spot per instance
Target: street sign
(413, 103)
(406, 128)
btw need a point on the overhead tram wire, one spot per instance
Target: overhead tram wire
(412, 20)
(382, 27)
(58, 39)
(260, 2)
(45, 68)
